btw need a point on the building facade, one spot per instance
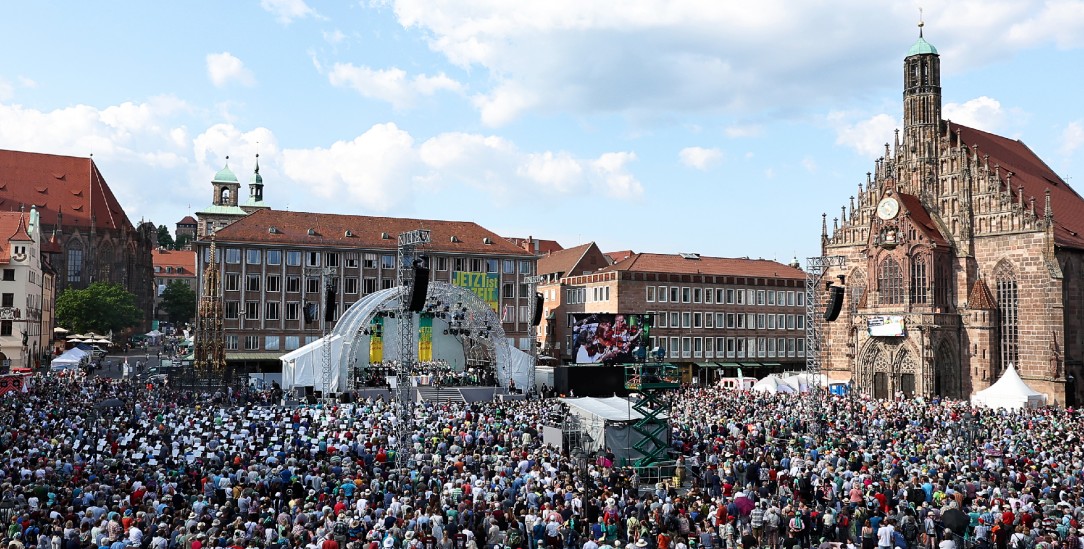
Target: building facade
(273, 263)
(964, 255)
(715, 312)
(26, 292)
(84, 222)
(186, 231)
(172, 266)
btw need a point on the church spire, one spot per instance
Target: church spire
(921, 106)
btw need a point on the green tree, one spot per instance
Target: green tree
(101, 307)
(179, 302)
(182, 241)
(165, 240)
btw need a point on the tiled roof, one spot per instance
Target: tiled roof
(725, 266)
(619, 255)
(562, 262)
(9, 224)
(68, 184)
(20, 234)
(980, 297)
(51, 245)
(1029, 171)
(365, 232)
(188, 220)
(921, 218)
(182, 261)
(545, 247)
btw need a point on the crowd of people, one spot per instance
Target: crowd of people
(99, 463)
(430, 373)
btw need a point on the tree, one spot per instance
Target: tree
(165, 240)
(101, 307)
(182, 241)
(179, 302)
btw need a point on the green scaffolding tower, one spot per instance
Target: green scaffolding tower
(652, 380)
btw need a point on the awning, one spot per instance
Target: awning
(771, 364)
(729, 364)
(707, 364)
(750, 365)
(254, 355)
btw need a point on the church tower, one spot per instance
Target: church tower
(921, 116)
(225, 205)
(255, 191)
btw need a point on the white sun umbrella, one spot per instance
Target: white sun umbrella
(59, 330)
(92, 335)
(77, 336)
(76, 340)
(101, 341)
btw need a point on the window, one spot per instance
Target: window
(252, 343)
(387, 262)
(709, 320)
(918, 280)
(331, 259)
(799, 321)
(271, 343)
(312, 259)
(771, 347)
(252, 257)
(293, 310)
(790, 298)
(800, 343)
(274, 257)
(760, 297)
(274, 283)
(292, 343)
(942, 288)
(730, 322)
(476, 264)
(293, 258)
(801, 299)
(350, 285)
(231, 343)
(698, 347)
(708, 294)
(459, 264)
(730, 347)
(890, 283)
(370, 285)
(1008, 332)
(675, 347)
(491, 265)
(7, 300)
(509, 266)
(762, 346)
(790, 322)
(698, 295)
(385, 283)
(771, 298)
(709, 347)
(790, 347)
(741, 347)
(675, 294)
(771, 322)
(293, 284)
(75, 264)
(740, 297)
(508, 290)
(252, 283)
(233, 255)
(686, 320)
(761, 321)
(9, 275)
(662, 294)
(720, 320)
(781, 321)
(232, 309)
(729, 296)
(686, 295)
(368, 261)
(312, 285)
(686, 347)
(252, 310)
(271, 311)
(525, 267)
(741, 321)
(698, 320)
(231, 282)
(650, 294)
(662, 320)
(675, 320)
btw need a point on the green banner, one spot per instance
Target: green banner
(425, 338)
(376, 340)
(484, 285)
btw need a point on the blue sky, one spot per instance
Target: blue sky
(718, 127)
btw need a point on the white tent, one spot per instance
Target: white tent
(1010, 392)
(69, 360)
(773, 384)
(608, 422)
(304, 367)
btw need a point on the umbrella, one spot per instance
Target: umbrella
(75, 340)
(101, 341)
(110, 403)
(77, 336)
(59, 330)
(955, 520)
(93, 335)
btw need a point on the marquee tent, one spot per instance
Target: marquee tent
(304, 367)
(69, 360)
(1009, 393)
(608, 423)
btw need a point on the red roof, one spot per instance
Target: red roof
(54, 183)
(921, 218)
(51, 246)
(188, 220)
(980, 297)
(182, 261)
(563, 261)
(1029, 171)
(363, 232)
(619, 255)
(725, 266)
(544, 246)
(10, 224)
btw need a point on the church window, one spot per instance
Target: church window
(918, 280)
(1008, 331)
(75, 263)
(890, 283)
(942, 286)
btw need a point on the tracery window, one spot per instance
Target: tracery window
(919, 287)
(1008, 302)
(890, 283)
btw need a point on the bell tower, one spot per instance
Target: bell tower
(921, 103)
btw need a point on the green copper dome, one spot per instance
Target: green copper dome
(225, 175)
(922, 47)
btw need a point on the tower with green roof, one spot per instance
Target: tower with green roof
(922, 99)
(255, 191)
(224, 208)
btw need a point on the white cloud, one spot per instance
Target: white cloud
(1072, 137)
(700, 158)
(223, 68)
(661, 56)
(809, 164)
(867, 137)
(288, 10)
(334, 37)
(7, 91)
(390, 85)
(615, 179)
(983, 113)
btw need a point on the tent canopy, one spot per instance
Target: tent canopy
(304, 367)
(609, 409)
(1010, 393)
(69, 360)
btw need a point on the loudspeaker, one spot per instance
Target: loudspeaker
(310, 312)
(536, 316)
(420, 285)
(835, 303)
(329, 304)
(346, 398)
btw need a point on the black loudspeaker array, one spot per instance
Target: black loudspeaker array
(835, 303)
(330, 297)
(420, 285)
(536, 315)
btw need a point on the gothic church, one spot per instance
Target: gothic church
(964, 254)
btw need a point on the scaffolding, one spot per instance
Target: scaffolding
(408, 244)
(654, 381)
(816, 267)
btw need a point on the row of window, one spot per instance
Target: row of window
(353, 260)
(581, 295)
(231, 282)
(733, 321)
(728, 296)
(891, 289)
(727, 347)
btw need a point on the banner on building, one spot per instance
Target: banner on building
(484, 285)
(13, 383)
(425, 338)
(886, 326)
(376, 340)
(598, 337)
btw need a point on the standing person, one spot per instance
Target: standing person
(884, 534)
(949, 542)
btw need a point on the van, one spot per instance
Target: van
(97, 351)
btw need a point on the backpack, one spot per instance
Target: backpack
(514, 537)
(909, 528)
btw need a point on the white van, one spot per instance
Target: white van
(97, 351)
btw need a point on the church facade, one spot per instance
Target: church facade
(964, 254)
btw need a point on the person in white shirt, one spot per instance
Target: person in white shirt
(949, 542)
(884, 534)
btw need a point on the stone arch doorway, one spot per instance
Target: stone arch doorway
(874, 371)
(946, 372)
(906, 370)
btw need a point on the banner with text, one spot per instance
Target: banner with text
(425, 338)
(886, 326)
(486, 286)
(376, 340)
(603, 337)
